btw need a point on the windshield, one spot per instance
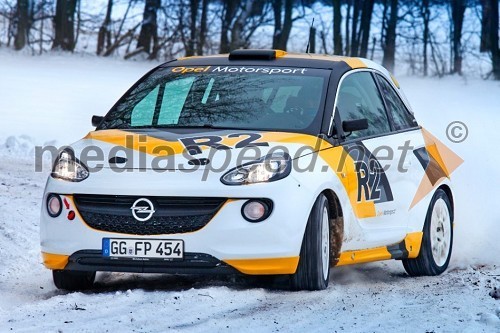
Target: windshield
(235, 97)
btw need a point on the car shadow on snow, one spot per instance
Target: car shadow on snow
(107, 282)
(377, 272)
(347, 275)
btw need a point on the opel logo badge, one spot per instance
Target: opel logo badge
(142, 209)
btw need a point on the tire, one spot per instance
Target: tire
(437, 242)
(313, 270)
(73, 280)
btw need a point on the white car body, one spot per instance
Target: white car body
(372, 229)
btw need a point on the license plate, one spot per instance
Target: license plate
(143, 248)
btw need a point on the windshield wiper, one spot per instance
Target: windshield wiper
(198, 126)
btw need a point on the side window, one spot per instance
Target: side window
(359, 98)
(400, 115)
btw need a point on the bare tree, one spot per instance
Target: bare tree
(365, 24)
(240, 19)
(282, 23)
(495, 50)
(203, 28)
(356, 11)
(389, 34)
(347, 30)
(193, 34)
(104, 35)
(425, 13)
(457, 14)
(357, 27)
(229, 9)
(64, 25)
(194, 8)
(337, 22)
(237, 30)
(23, 24)
(148, 36)
(489, 34)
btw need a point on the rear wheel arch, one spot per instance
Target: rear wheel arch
(449, 194)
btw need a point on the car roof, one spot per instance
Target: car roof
(281, 58)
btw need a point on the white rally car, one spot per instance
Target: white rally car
(259, 162)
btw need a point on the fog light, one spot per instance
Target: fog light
(256, 210)
(54, 205)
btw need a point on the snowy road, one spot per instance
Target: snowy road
(368, 298)
(374, 297)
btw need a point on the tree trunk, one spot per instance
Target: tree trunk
(148, 37)
(230, 8)
(390, 37)
(347, 34)
(278, 26)
(457, 13)
(64, 25)
(104, 35)
(489, 34)
(42, 13)
(366, 21)
(282, 28)
(485, 26)
(23, 24)
(337, 22)
(193, 18)
(203, 27)
(78, 21)
(237, 40)
(426, 14)
(495, 51)
(356, 10)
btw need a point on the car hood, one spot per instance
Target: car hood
(167, 150)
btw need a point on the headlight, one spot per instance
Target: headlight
(67, 167)
(267, 169)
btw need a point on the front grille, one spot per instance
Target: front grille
(173, 215)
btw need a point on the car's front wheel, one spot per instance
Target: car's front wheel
(437, 241)
(313, 270)
(73, 280)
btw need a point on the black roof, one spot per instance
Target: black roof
(295, 60)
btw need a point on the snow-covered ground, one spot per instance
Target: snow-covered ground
(53, 97)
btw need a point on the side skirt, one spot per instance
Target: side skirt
(408, 248)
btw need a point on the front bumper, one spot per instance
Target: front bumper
(227, 244)
(193, 263)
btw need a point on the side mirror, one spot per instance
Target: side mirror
(354, 125)
(96, 120)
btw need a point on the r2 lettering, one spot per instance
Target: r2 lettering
(368, 180)
(194, 144)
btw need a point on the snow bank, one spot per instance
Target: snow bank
(23, 146)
